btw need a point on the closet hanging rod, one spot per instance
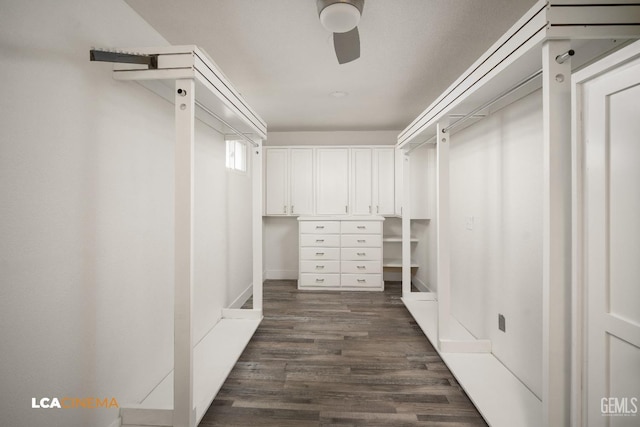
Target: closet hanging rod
(493, 101)
(217, 117)
(422, 143)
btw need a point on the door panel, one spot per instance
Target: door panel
(384, 181)
(612, 244)
(276, 171)
(332, 189)
(361, 181)
(301, 181)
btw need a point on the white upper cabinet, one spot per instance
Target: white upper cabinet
(301, 181)
(361, 181)
(332, 182)
(288, 181)
(276, 181)
(383, 181)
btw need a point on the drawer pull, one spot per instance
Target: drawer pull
(319, 280)
(362, 253)
(319, 240)
(361, 267)
(319, 267)
(362, 280)
(319, 253)
(320, 226)
(362, 241)
(362, 227)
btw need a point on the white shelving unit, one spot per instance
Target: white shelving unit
(537, 52)
(188, 78)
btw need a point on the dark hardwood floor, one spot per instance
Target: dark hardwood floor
(339, 359)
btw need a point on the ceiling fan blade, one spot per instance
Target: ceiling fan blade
(347, 45)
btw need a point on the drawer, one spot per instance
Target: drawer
(323, 240)
(319, 227)
(320, 267)
(361, 280)
(309, 280)
(361, 227)
(319, 253)
(362, 267)
(361, 240)
(357, 254)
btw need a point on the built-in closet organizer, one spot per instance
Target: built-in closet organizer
(340, 253)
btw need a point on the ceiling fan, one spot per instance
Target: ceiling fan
(341, 17)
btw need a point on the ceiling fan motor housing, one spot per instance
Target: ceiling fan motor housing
(342, 16)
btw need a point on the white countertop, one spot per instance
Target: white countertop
(342, 218)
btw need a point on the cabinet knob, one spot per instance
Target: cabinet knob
(361, 267)
(285, 209)
(319, 253)
(377, 209)
(320, 226)
(362, 227)
(319, 280)
(362, 253)
(291, 208)
(361, 280)
(346, 209)
(362, 241)
(319, 267)
(319, 240)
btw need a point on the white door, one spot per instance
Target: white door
(276, 185)
(384, 181)
(332, 181)
(611, 114)
(301, 181)
(361, 181)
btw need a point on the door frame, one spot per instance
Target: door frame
(579, 301)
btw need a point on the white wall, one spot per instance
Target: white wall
(280, 247)
(496, 266)
(86, 237)
(333, 138)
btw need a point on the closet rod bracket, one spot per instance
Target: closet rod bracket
(102, 55)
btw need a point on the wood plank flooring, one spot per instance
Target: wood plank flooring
(339, 359)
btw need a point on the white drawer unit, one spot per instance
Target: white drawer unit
(340, 253)
(323, 240)
(361, 254)
(361, 267)
(308, 280)
(361, 241)
(361, 280)
(319, 267)
(361, 227)
(319, 253)
(319, 227)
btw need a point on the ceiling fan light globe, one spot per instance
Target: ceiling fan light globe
(340, 17)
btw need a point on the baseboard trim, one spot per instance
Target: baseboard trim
(243, 297)
(281, 275)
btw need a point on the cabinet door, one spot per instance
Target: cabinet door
(275, 190)
(384, 179)
(332, 189)
(301, 181)
(361, 181)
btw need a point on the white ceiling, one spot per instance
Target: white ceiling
(280, 58)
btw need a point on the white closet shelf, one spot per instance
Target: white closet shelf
(517, 55)
(397, 239)
(500, 397)
(396, 262)
(214, 357)
(214, 92)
